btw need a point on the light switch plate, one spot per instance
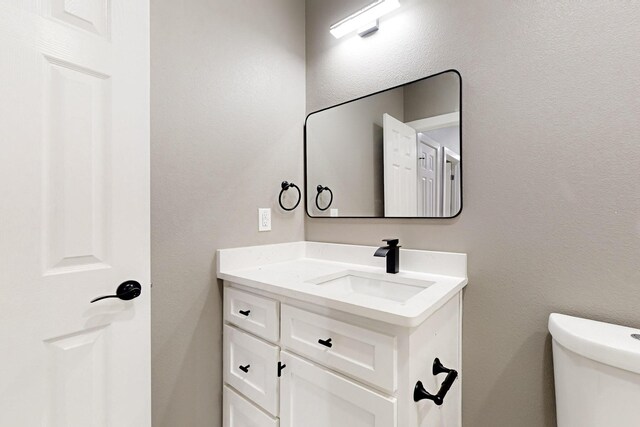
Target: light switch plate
(264, 219)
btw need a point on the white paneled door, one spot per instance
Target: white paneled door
(428, 191)
(400, 154)
(74, 216)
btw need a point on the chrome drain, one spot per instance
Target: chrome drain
(636, 336)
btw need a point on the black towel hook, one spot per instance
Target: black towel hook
(320, 189)
(286, 186)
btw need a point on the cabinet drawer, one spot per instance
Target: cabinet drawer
(239, 412)
(252, 313)
(358, 352)
(315, 397)
(250, 366)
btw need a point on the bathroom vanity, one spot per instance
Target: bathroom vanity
(319, 335)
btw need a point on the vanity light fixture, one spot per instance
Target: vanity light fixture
(364, 21)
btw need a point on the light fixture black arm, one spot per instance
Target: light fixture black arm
(286, 186)
(320, 189)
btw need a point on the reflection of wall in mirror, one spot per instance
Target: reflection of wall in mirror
(347, 159)
(432, 97)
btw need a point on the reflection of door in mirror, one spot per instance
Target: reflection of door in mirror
(428, 179)
(451, 180)
(400, 168)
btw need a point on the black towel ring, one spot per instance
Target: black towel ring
(286, 186)
(320, 189)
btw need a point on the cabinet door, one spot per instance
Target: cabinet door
(312, 396)
(238, 412)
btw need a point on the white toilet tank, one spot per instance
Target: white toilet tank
(597, 373)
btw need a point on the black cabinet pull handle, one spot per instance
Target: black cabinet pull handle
(126, 291)
(419, 392)
(244, 369)
(245, 312)
(326, 343)
(281, 366)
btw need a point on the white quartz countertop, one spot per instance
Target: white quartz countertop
(289, 269)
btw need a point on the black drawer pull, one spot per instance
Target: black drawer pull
(244, 369)
(419, 392)
(281, 366)
(245, 312)
(326, 343)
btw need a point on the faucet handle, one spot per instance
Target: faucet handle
(391, 242)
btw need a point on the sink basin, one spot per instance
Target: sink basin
(386, 287)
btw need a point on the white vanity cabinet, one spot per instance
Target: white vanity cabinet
(292, 363)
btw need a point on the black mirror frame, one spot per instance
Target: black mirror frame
(306, 201)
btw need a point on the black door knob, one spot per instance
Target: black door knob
(126, 291)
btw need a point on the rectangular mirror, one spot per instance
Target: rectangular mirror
(392, 154)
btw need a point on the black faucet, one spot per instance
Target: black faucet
(392, 253)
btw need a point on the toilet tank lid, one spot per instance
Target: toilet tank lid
(603, 342)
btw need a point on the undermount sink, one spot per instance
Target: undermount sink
(383, 286)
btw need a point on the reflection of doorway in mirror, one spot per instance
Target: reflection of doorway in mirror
(435, 135)
(428, 177)
(451, 179)
(422, 166)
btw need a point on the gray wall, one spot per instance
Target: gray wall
(345, 153)
(432, 97)
(551, 217)
(227, 111)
